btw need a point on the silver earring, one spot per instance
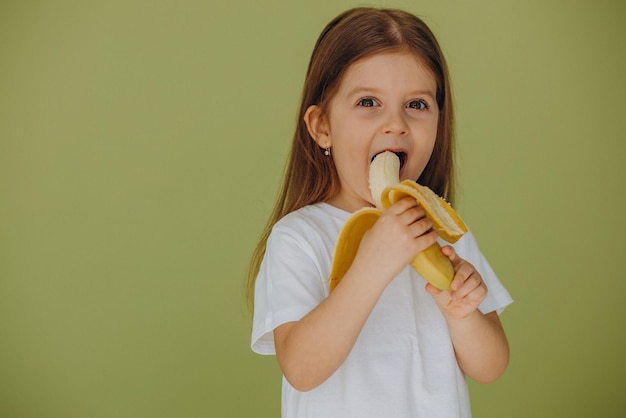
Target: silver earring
(327, 152)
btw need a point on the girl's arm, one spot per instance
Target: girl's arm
(310, 350)
(480, 344)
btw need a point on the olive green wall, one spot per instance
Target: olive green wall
(141, 146)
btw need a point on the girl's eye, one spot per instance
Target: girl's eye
(367, 102)
(417, 104)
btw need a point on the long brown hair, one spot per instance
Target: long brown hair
(310, 176)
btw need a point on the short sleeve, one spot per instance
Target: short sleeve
(498, 297)
(289, 285)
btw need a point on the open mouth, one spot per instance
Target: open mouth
(402, 156)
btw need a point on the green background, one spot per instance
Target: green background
(141, 147)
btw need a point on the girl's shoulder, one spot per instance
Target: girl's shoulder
(318, 216)
(306, 236)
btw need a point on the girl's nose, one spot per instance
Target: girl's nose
(395, 124)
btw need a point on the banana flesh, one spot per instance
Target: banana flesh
(384, 172)
(387, 189)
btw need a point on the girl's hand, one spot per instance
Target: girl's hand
(467, 289)
(402, 231)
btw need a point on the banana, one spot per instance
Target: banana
(386, 188)
(384, 172)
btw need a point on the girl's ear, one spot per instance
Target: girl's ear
(317, 126)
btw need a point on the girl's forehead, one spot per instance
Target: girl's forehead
(385, 66)
(390, 55)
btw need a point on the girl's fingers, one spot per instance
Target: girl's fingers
(467, 290)
(449, 252)
(407, 207)
(433, 290)
(472, 287)
(420, 227)
(402, 206)
(463, 273)
(410, 214)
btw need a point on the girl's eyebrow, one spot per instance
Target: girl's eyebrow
(373, 90)
(363, 90)
(423, 92)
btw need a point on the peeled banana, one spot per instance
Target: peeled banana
(387, 189)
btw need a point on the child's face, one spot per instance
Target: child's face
(384, 102)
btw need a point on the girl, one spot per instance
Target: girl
(384, 343)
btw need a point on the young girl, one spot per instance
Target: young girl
(384, 343)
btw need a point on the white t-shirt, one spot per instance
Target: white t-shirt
(403, 362)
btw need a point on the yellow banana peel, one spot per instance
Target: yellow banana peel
(386, 189)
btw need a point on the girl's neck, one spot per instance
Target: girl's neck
(341, 202)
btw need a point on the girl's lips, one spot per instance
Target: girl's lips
(402, 155)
